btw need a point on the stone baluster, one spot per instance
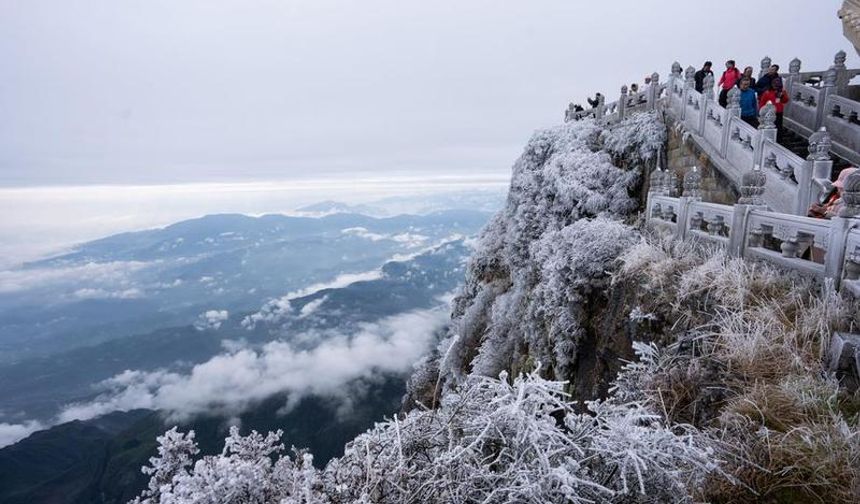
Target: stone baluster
(693, 184)
(654, 91)
(689, 87)
(734, 102)
(752, 187)
(599, 110)
(789, 247)
(852, 265)
(671, 178)
(842, 77)
(792, 80)
(765, 66)
(828, 88)
(676, 70)
(622, 103)
(690, 77)
(851, 197)
(819, 166)
(766, 131)
(708, 87)
(656, 181)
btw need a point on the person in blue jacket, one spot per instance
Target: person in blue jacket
(749, 103)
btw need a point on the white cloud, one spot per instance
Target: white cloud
(98, 293)
(311, 307)
(12, 433)
(278, 309)
(408, 239)
(108, 274)
(211, 319)
(230, 383)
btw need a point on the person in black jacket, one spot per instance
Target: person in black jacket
(763, 84)
(700, 75)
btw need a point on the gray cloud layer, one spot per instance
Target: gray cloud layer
(229, 383)
(123, 91)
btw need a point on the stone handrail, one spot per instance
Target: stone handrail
(819, 248)
(816, 112)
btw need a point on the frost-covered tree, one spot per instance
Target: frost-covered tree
(490, 440)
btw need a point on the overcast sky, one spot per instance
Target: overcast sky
(166, 91)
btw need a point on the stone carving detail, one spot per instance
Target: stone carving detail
(669, 213)
(756, 238)
(655, 78)
(690, 77)
(693, 184)
(851, 196)
(752, 187)
(671, 180)
(794, 66)
(656, 181)
(767, 117)
(708, 87)
(676, 69)
(656, 212)
(839, 59)
(735, 99)
(852, 265)
(829, 79)
(715, 227)
(765, 66)
(624, 90)
(790, 247)
(819, 145)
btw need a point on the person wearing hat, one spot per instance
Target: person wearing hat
(830, 204)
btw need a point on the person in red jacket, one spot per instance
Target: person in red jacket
(728, 80)
(779, 97)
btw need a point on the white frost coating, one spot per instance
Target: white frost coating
(489, 441)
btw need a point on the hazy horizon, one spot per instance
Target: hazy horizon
(117, 92)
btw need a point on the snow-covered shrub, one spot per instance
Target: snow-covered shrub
(490, 440)
(638, 138)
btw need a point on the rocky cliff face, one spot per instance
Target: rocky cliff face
(536, 291)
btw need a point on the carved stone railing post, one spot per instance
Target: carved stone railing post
(828, 87)
(842, 76)
(622, 103)
(671, 179)
(600, 109)
(693, 184)
(820, 166)
(765, 66)
(766, 131)
(689, 86)
(752, 189)
(790, 82)
(654, 91)
(708, 88)
(733, 108)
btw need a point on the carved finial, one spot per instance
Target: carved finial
(752, 187)
(624, 89)
(690, 76)
(693, 183)
(767, 117)
(794, 66)
(708, 86)
(656, 181)
(819, 145)
(765, 66)
(851, 196)
(655, 78)
(734, 98)
(839, 59)
(676, 69)
(829, 79)
(671, 179)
